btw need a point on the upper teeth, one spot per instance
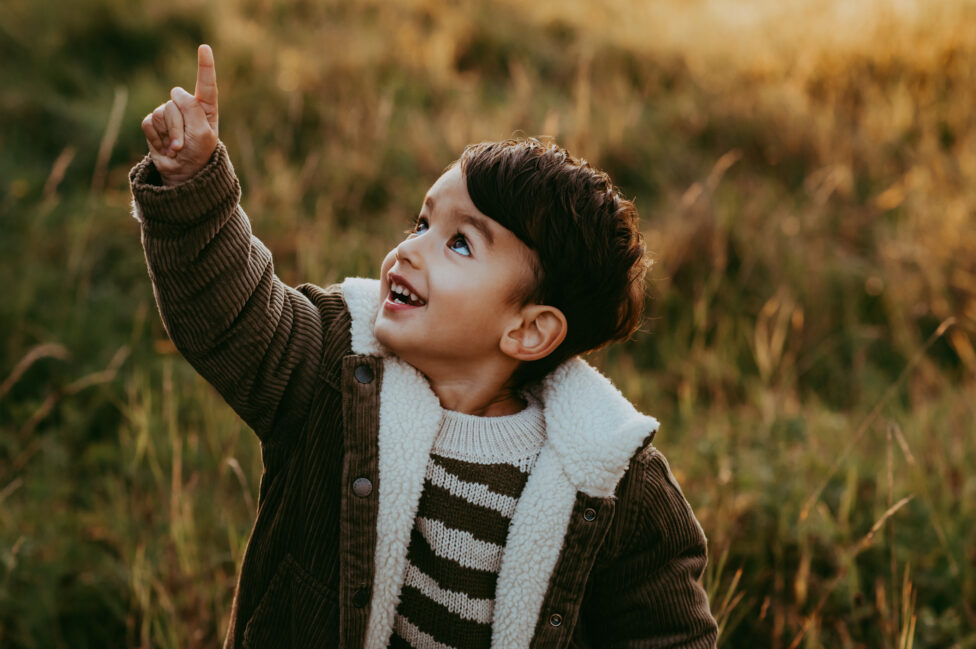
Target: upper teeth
(396, 288)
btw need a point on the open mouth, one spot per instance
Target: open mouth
(400, 294)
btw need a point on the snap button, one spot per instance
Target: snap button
(360, 598)
(362, 487)
(363, 373)
(555, 619)
(589, 514)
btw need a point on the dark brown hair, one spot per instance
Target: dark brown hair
(590, 248)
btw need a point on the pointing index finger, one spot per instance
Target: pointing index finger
(206, 88)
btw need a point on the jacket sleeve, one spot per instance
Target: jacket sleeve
(648, 596)
(256, 340)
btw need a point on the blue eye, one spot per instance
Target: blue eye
(459, 238)
(421, 223)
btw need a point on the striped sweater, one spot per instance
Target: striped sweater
(474, 477)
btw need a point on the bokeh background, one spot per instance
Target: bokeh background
(806, 176)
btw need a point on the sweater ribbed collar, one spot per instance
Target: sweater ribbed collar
(492, 439)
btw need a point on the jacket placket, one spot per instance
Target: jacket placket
(361, 379)
(585, 535)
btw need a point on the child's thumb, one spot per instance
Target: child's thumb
(194, 117)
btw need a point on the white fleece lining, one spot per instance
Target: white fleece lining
(592, 430)
(362, 296)
(410, 416)
(535, 539)
(592, 427)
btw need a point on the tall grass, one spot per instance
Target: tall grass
(805, 174)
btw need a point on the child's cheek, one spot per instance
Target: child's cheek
(387, 264)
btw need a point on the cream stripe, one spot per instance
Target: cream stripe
(417, 638)
(460, 546)
(470, 608)
(473, 492)
(524, 464)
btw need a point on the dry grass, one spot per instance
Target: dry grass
(805, 172)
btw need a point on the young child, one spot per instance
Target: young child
(441, 469)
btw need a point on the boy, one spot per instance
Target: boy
(440, 468)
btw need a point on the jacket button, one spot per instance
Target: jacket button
(589, 514)
(360, 598)
(555, 619)
(362, 487)
(363, 373)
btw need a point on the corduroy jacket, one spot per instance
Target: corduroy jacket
(603, 549)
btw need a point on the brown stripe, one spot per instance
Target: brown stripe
(437, 621)
(396, 642)
(455, 512)
(502, 478)
(449, 574)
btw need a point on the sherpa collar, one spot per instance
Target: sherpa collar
(592, 430)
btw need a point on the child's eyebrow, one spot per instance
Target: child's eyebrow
(478, 224)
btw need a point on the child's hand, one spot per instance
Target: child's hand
(182, 133)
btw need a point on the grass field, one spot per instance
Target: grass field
(806, 176)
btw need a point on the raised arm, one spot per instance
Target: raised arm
(258, 341)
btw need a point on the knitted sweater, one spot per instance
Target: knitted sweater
(475, 474)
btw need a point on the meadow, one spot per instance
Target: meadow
(806, 176)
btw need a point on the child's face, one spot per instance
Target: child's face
(463, 278)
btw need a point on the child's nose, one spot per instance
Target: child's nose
(407, 252)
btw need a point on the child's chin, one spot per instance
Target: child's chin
(383, 335)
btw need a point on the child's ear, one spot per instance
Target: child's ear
(535, 334)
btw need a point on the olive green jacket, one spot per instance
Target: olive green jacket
(603, 549)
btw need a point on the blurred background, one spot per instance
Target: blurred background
(806, 176)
